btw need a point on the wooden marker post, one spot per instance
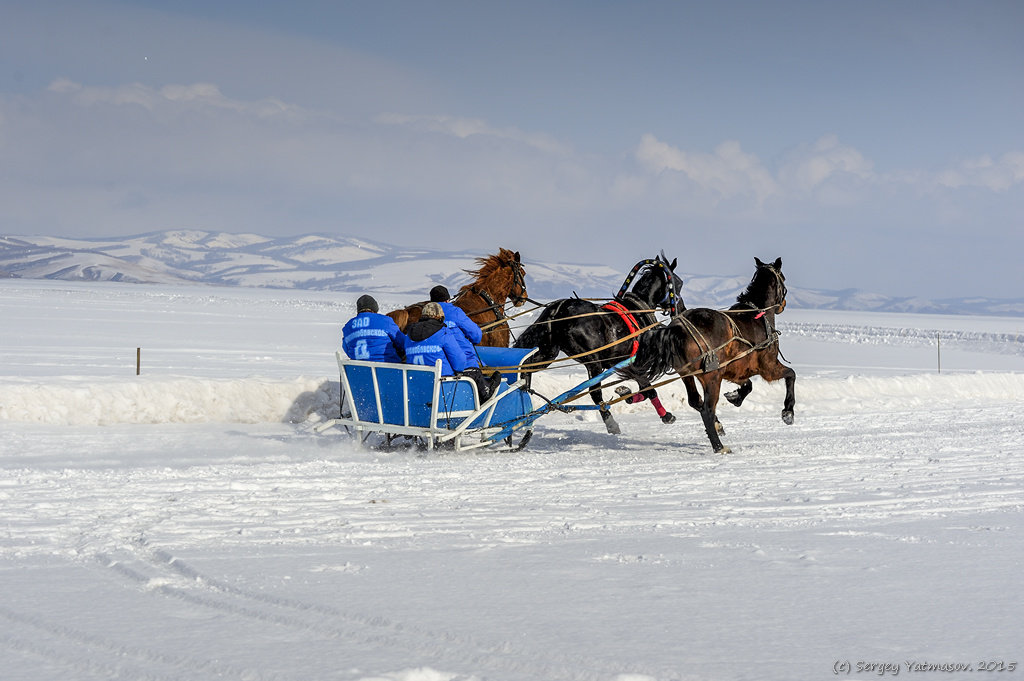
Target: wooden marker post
(138, 361)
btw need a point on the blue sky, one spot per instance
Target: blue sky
(872, 145)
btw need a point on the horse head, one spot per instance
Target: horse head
(500, 276)
(517, 293)
(677, 281)
(659, 285)
(767, 288)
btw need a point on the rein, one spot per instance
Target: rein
(619, 341)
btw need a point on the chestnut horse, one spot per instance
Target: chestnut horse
(498, 278)
(733, 345)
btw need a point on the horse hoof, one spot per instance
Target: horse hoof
(613, 427)
(787, 417)
(734, 398)
(723, 450)
(668, 418)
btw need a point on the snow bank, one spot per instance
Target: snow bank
(88, 401)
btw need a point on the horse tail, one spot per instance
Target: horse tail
(658, 351)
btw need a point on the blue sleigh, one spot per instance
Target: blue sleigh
(417, 402)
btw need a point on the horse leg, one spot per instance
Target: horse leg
(645, 392)
(787, 406)
(595, 394)
(737, 396)
(696, 402)
(773, 371)
(712, 387)
(652, 395)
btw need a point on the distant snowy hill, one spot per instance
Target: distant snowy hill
(351, 265)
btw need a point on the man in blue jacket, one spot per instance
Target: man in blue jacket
(371, 336)
(430, 339)
(467, 333)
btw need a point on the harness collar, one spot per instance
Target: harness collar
(628, 318)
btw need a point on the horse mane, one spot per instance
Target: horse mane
(756, 292)
(490, 266)
(638, 306)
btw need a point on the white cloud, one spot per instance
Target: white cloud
(998, 175)
(464, 128)
(810, 166)
(197, 95)
(729, 172)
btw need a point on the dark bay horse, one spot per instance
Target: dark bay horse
(599, 337)
(733, 345)
(498, 278)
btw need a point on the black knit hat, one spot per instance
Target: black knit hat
(366, 304)
(439, 294)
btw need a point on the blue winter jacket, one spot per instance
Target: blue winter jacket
(467, 333)
(442, 344)
(373, 337)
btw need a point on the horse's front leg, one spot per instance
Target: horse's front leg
(737, 396)
(787, 406)
(696, 402)
(712, 388)
(774, 370)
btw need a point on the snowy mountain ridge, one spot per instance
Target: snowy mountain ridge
(349, 264)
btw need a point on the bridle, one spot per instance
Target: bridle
(783, 291)
(518, 281)
(517, 298)
(668, 303)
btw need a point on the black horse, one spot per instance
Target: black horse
(600, 336)
(732, 345)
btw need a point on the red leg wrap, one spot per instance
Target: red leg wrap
(656, 401)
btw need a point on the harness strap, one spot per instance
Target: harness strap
(630, 321)
(708, 361)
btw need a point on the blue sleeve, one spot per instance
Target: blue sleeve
(468, 326)
(456, 357)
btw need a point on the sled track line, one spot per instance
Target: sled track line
(214, 594)
(82, 659)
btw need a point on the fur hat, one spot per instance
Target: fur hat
(433, 311)
(366, 304)
(439, 294)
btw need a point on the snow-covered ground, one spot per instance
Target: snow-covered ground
(188, 524)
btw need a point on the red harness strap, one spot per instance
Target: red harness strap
(622, 311)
